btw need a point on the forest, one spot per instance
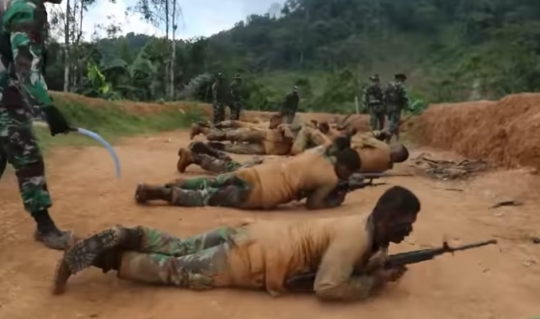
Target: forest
(451, 50)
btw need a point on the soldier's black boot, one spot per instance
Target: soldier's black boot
(146, 193)
(102, 250)
(48, 233)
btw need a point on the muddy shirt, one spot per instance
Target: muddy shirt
(276, 183)
(269, 252)
(308, 138)
(374, 154)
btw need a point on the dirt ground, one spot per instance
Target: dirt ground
(490, 282)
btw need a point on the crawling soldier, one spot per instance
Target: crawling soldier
(316, 173)
(376, 155)
(258, 255)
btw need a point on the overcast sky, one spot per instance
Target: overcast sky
(201, 17)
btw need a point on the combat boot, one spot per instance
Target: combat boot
(103, 250)
(185, 159)
(203, 148)
(146, 193)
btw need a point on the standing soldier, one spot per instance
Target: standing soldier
(23, 96)
(236, 96)
(290, 106)
(219, 98)
(374, 103)
(396, 101)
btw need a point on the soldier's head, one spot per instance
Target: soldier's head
(400, 77)
(399, 153)
(237, 77)
(219, 76)
(275, 120)
(323, 127)
(394, 215)
(295, 90)
(375, 78)
(347, 162)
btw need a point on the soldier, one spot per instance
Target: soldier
(396, 101)
(347, 252)
(374, 103)
(376, 155)
(236, 97)
(24, 96)
(219, 98)
(308, 137)
(210, 159)
(268, 185)
(290, 106)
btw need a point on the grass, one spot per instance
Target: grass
(113, 120)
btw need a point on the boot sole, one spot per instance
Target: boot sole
(82, 254)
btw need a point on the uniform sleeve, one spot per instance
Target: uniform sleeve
(27, 48)
(325, 196)
(334, 280)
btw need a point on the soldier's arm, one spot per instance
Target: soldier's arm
(334, 280)
(27, 48)
(325, 196)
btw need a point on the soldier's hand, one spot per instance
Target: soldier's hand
(390, 275)
(56, 120)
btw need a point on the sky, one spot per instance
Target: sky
(201, 17)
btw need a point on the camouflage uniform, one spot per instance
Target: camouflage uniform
(210, 159)
(219, 98)
(236, 98)
(151, 256)
(24, 96)
(396, 101)
(290, 106)
(374, 103)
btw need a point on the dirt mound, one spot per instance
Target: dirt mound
(506, 132)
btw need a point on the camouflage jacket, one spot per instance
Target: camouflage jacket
(374, 98)
(23, 33)
(396, 96)
(236, 90)
(220, 92)
(290, 105)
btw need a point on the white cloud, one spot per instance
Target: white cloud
(201, 17)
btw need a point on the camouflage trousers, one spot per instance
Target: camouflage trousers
(236, 108)
(288, 118)
(394, 117)
(221, 165)
(218, 112)
(21, 147)
(376, 120)
(199, 262)
(226, 190)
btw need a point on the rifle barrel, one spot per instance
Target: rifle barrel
(475, 245)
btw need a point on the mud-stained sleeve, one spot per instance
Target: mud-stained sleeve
(334, 280)
(27, 47)
(325, 196)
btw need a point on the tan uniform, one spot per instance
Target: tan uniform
(279, 183)
(262, 255)
(258, 142)
(308, 138)
(374, 154)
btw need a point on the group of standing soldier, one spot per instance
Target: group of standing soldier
(232, 96)
(386, 102)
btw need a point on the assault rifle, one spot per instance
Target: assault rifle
(304, 282)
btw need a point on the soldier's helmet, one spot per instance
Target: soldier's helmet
(375, 78)
(219, 75)
(295, 88)
(400, 77)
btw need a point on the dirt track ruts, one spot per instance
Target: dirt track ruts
(491, 282)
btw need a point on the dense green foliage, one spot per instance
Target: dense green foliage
(451, 50)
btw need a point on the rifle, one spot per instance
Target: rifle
(379, 175)
(304, 282)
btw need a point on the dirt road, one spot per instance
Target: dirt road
(491, 282)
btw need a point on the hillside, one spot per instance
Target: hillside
(451, 50)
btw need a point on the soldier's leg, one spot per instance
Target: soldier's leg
(225, 190)
(288, 118)
(218, 112)
(301, 142)
(245, 148)
(23, 153)
(150, 256)
(235, 111)
(246, 135)
(393, 118)
(380, 121)
(373, 120)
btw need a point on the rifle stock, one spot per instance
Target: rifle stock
(304, 282)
